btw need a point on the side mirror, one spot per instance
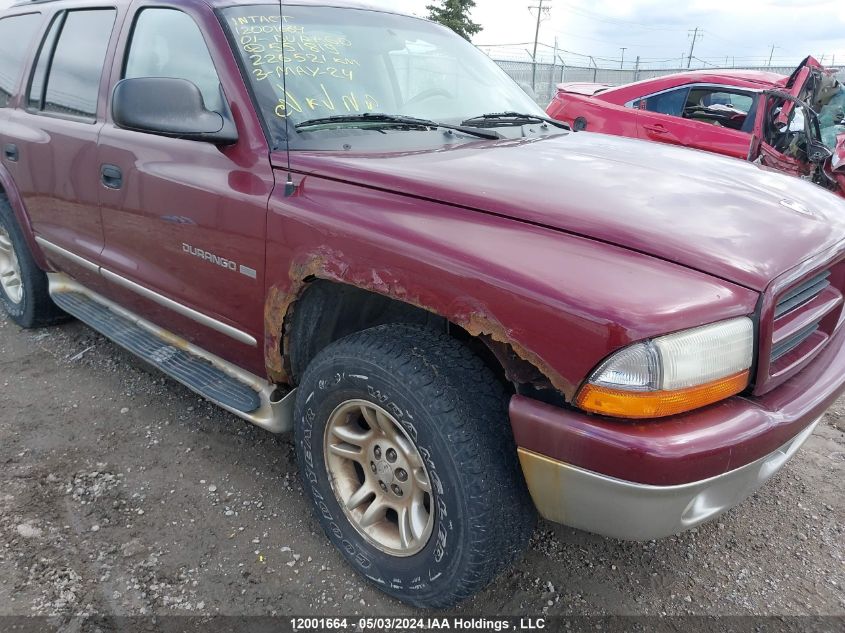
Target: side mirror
(169, 107)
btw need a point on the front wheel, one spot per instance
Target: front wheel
(406, 451)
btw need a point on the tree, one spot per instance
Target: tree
(455, 15)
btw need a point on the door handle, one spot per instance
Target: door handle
(657, 128)
(111, 176)
(10, 151)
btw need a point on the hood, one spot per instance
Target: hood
(722, 216)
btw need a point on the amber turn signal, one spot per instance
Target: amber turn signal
(657, 404)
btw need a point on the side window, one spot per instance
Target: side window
(720, 107)
(168, 43)
(75, 63)
(16, 35)
(671, 102)
(713, 97)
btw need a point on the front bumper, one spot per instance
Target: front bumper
(648, 478)
(633, 511)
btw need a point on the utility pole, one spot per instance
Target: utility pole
(637, 69)
(622, 63)
(772, 55)
(695, 37)
(540, 11)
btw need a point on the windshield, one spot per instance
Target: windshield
(329, 61)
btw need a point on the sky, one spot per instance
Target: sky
(740, 32)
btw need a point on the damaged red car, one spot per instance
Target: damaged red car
(792, 124)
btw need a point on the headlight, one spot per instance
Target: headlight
(672, 374)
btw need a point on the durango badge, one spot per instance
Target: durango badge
(220, 261)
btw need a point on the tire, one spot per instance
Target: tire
(452, 411)
(23, 291)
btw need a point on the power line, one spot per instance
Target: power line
(608, 20)
(603, 41)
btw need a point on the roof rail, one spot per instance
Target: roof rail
(21, 3)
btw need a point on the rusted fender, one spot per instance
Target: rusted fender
(561, 302)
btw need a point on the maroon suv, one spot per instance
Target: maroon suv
(352, 224)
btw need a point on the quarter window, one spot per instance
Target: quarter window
(73, 84)
(16, 35)
(168, 43)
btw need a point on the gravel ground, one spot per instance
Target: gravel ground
(122, 493)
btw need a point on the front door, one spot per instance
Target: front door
(185, 221)
(711, 118)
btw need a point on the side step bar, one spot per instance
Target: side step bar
(221, 382)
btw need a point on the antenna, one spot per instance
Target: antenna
(290, 186)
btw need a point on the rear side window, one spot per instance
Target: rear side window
(16, 34)
(75, 63)
(671, 102)
(168, 43)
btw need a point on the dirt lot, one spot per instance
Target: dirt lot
(122, 493)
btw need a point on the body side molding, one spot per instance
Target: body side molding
(194, 315)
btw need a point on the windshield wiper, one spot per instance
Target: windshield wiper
(495, 119)
(390, 120)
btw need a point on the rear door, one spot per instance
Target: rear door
(185, 221)
(55, 133)
(17, 33)
(712, 118)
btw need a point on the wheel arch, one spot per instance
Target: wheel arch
(9, 191)
(323, 307)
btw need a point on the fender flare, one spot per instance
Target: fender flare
(19, 209)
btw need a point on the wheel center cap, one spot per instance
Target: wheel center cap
(383, 468)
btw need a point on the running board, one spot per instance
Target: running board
(221, 382)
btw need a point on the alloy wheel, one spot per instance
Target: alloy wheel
(379, 478)
(10, 270)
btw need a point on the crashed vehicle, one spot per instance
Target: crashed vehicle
(352, 225)
(791, 124)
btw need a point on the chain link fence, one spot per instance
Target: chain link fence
(546, 77)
